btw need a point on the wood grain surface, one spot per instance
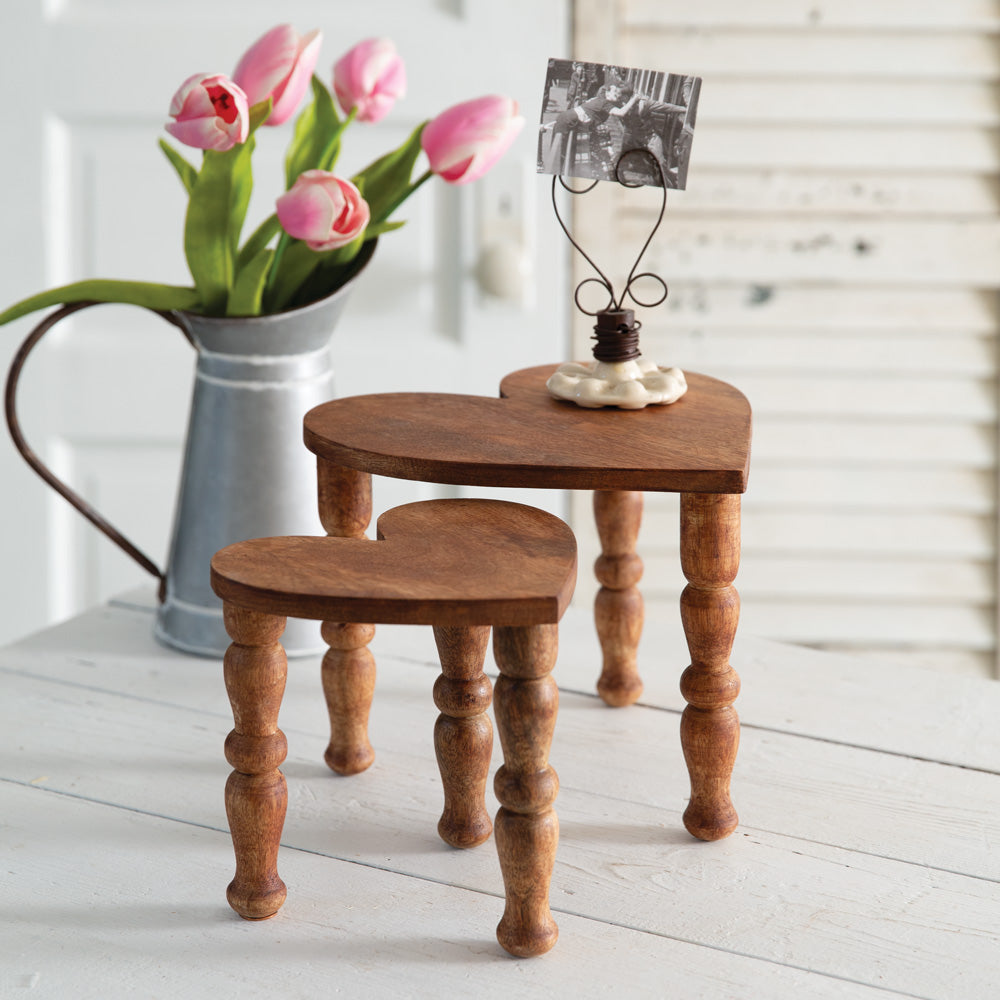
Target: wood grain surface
(526, 785)
(438, 562)
(710, 611)
(618, 606)
(255, 670)
(463, 733)
(460, 565)
(700, 443)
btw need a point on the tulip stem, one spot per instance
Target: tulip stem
(283, 240)
(406, 192)
(332, 149)
(259, 239)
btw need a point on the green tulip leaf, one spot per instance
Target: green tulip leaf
(342, 255)
(215, 214)
(185, 171)
(382, 227)
(259, 114)
(294, 264)
(248, 290)
(259, 239)
(135, 293)
(335, 269)
(386, 181)
(316, 141)
(240, 190)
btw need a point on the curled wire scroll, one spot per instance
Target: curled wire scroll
(614, 303)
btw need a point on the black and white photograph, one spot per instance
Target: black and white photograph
(597, 120)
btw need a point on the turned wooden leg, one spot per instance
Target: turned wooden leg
(526, 700)
(256, 796)
(463, 734)
(345, 508)
(348, 685)
(710, 610)
(618, 609)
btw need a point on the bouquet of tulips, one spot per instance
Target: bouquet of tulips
(307, 248)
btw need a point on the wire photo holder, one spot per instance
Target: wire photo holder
(634, 127)
(617, 376)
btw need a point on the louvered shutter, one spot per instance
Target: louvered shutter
(836, 256)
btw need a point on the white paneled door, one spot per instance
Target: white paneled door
(85, 192)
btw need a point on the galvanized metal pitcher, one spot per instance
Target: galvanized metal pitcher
(246, 472)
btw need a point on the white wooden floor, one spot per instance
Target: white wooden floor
(867, 862)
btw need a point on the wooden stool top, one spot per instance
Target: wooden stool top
(436, 562)
(700, 444)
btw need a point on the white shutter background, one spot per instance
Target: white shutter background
(837, 257)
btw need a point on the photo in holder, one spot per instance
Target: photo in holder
(592, 114)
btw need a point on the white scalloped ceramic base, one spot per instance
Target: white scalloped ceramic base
(630, 385)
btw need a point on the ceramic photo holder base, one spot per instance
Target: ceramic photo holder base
(630, 385)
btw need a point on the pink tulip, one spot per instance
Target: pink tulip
(279, 65)
(323, 210)
(463, 142)
(210, 112)
(369, 77)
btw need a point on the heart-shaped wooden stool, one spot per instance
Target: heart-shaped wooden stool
(698, 446)
(461, 566)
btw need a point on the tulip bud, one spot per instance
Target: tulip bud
(323, 210)
(209, 112)
(369, 77)
(279, 65)
(463, 142)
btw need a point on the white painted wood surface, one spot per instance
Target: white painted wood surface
(867, 862)
(837, 257)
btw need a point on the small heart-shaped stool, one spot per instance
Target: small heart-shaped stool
(461, 566)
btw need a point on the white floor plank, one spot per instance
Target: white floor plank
(889, 806)
(786, 688)
(131, 911)
(845, 863)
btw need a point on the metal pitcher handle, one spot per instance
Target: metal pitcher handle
(14, 425)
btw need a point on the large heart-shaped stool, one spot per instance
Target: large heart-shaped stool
(461, 566)
(698, 447)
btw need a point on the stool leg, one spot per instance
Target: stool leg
(618, 609)
(463, 734)
(527, 829)
(256, 796)
(345, 508)
(710, 610)
(348, 674)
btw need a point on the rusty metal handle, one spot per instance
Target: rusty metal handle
(14, 425)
